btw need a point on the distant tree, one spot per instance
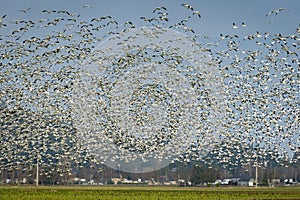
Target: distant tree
(110, 182)
(203, 174)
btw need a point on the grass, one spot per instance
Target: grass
(130, 193)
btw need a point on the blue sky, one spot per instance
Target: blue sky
(217, 15)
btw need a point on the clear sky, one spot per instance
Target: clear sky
(217, 15)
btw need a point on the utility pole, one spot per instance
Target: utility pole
(37, 172)
(256, 174)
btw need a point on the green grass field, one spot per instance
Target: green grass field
(111, 193)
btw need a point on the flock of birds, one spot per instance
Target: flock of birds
(64, 98)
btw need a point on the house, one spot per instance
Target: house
(246, 182)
